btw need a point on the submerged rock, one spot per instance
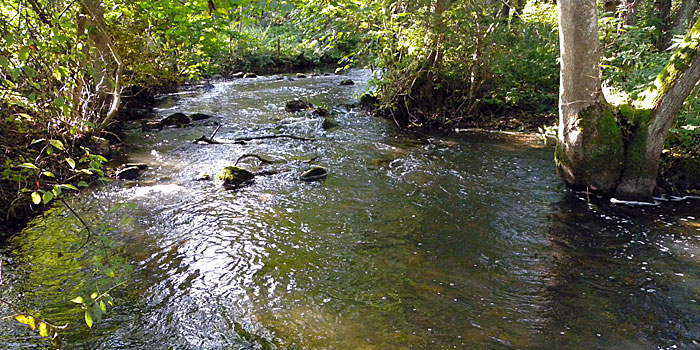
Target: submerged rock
(175, 119)
(329, 123)
(233, 176)
(314, 174)
(297, 105)
(199, 116)
(147, 125)
(347, 82)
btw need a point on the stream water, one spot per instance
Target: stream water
(413, 241)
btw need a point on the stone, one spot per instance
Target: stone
(315, 75)
(301, 75)
(203, 177)
(314, 174)
(320, 112)
(233, 176)
(347, 82)
(199, 116)
(175, 119)
(368, 101)
(250, 75)
(147, 125)
(237, 75)
(297, 105)
(329, 123)
(128, 173)
(140, 166)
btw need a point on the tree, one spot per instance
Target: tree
(614, 149)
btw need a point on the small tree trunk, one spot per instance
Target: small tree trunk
(589, 149)
(663, 13)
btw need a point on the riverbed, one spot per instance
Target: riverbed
(414, 240)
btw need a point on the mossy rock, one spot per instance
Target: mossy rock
(199, 116)
(176, 119)
(297, 105)
(234, 176)
(314, 174)
(347, 82)
(329, 123)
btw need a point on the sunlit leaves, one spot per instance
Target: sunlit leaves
(36, 197)
(45, 330)
(27, 319)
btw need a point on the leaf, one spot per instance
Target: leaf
(78, 300)
(71, 162)
(103, 307)
(97, 312)
(48, 174)
(36, 197)
(57, 143)
(83, 184)
(47, 197)
(23, 54)
(88, 318)
(43, 330)
(68, 186)
(93, 295)
(29, 166)
(26, 319)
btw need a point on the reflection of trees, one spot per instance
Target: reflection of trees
(609, 283)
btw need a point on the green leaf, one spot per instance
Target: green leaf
(56, 191)
(36, 197)
(93, 295)
(26, 319)
(60, 101)
(43, 330)
(48, 174)
(88, 318)
(24, 54)
(103, 307)
(97, 312)
(71, 162)
(47, 197)
(78, 300)
(28, 166)
(68, 187)
(57, 143)
(82, 184)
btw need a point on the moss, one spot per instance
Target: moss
(234, 176)
(603, 148)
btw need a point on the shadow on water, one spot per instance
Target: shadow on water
(413, 241)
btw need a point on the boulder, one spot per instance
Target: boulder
(140, 166)
(329, 123)
(320, 112)
(297, 105)
(233, 176)
(203, 177)
(301, 75)
(314, 174)
(128, 173)
(250, 75)
(237, 75)
(199, 116)
(315, 75)
(175, 119)
(347, 82)
(368, 101)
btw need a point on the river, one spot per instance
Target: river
(413, 241)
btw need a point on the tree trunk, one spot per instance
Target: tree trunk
(592, 152)
(663, 13)
(681, 23)
(655, 116)
(589, 151)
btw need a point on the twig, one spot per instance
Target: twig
(272, 137)
(87, 240)
(214, 133)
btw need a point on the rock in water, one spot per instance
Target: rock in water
(320, 112)
(199, 116)
(233, 176)
(147, 125)
(250, 75)
(301, 75)
(297, 105)
(128, 173)
(329, 123)
(176, 119)
(347, 82)
(314, 174)
(237, 75)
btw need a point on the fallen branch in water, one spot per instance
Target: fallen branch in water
(242, 140)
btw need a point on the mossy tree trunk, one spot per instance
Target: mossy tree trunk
(594, 152)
